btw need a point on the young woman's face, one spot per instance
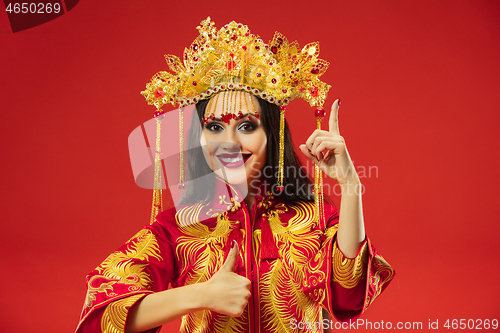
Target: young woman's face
(236, 151)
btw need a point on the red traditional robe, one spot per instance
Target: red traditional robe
(293, 262)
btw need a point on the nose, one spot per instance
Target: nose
(230, 140)
(230, 146)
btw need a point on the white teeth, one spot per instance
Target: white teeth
(231, 160)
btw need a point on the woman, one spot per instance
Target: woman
(243, 253)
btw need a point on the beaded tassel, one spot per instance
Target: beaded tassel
(182, 179)
(157, 194)
(282, 148)
(318, 178)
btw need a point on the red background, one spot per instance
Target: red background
(419, 84)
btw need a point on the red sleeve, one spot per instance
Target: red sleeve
(141, 266)
(345, 287)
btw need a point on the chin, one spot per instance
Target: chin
(233, 176)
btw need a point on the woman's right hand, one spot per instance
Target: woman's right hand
(228, 292)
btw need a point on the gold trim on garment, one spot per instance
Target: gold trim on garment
(348, 272)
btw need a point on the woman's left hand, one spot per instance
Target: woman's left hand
(327, 149)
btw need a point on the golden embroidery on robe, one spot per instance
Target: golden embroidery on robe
(280, 288)
(348, 272)
(283, 299)
(123, 267)
(114, 317)
(383, 274)
(201, 254)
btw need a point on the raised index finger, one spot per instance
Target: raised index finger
(334, 118)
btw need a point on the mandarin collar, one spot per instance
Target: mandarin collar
(227, 197)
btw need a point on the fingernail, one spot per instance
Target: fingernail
(234, 243)
(309, 150)
(339, 102)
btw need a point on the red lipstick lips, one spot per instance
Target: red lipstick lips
(233, 160)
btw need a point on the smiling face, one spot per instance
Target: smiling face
(235, 151)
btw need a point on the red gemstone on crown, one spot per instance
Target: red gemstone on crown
(195, 47)
(244, 47)
(274, 49)
(315, 71)
(273, 80)
(230, 65)
(320, 112)
(158, 113)
(284, 91)
(313, 92)
(159, 93)
(257, 47)
(194, 83)
(258, 75)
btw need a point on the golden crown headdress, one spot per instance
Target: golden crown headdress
(233, 59)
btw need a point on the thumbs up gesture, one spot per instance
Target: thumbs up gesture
(327, 149)
(228, 292)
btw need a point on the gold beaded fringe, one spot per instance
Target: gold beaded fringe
(157, 194)
(318, 187)
(282, 148)
(182, 178)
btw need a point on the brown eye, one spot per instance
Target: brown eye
(214, 127)
(247, 127)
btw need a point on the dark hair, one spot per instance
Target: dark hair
(297, 184)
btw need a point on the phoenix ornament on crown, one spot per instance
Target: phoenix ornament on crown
(232, 58)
